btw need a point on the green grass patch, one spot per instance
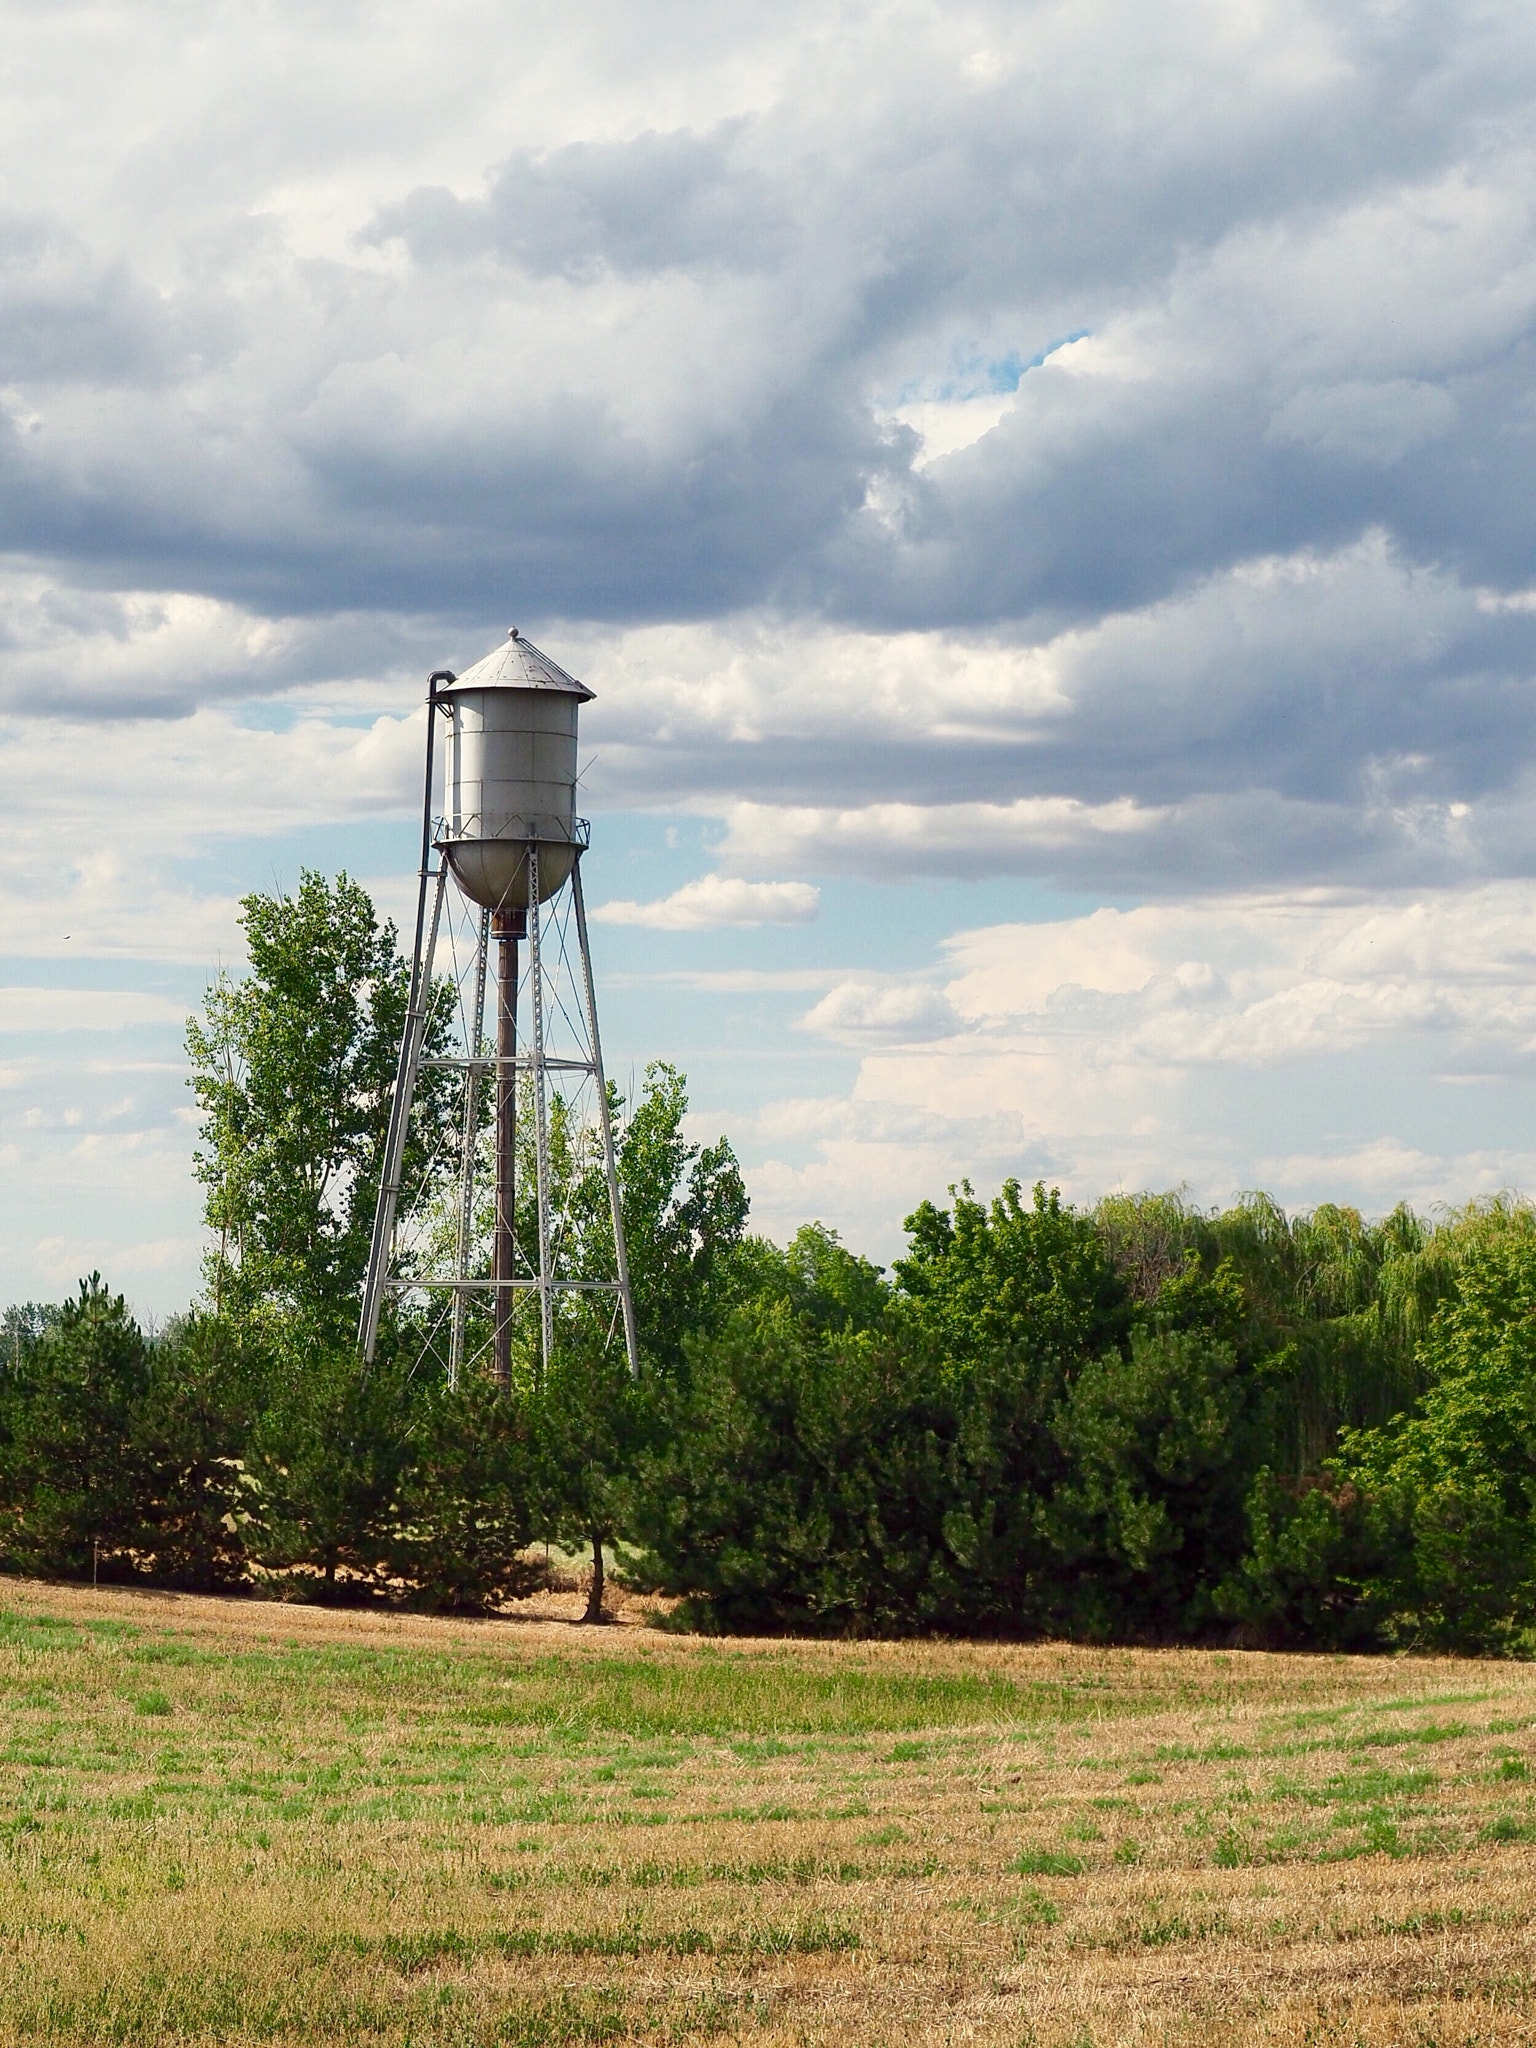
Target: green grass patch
(1509, 1827)
(1046, 1863)
(446, 1816)
(1162, 1930)
(652, 1875)
(1378, 1836)
(447, 1948)
(1394, 1738)
(1357, 1788)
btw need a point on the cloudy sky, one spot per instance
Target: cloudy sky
(1043, 494)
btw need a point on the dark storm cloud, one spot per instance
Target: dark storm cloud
(824, 248)
(68, 318)
(666, 370)
(1139, 496)
(660, 202)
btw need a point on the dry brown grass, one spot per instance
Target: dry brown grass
(225, 1821)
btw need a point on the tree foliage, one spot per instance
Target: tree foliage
(293, 1067)
(120, 1457)
(1144, 1422)
(685, 1212)
(1457, 1474)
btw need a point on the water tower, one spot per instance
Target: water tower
(509, 840)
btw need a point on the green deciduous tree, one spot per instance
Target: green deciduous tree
(1030, 1283)
(827, 1286)
(1011, 1299)
(684, 1209)
(1458, 1473)
(293, 1068)
(685, 1212)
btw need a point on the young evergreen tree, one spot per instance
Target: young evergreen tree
(469, 1499)
(808, 1480)
(190, 1425)
(73, 1482)
(326, 1460)
(594, 1423)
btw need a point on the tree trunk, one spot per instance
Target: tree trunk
(595, 1596)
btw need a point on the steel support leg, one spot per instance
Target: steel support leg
(540, 1106)
(605, 1118)
(508, 926)
(382, 1247)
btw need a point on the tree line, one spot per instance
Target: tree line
(1137, 1422)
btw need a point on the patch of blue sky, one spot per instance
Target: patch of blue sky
(101, 971)
(266, 714)
(282, 714)
(973, 373)
(272, 863)
(644, 856)
(1351, 1096)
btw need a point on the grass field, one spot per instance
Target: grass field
(226, 1821)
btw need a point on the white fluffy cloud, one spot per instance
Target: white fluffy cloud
(352, 308)
(1180, 1043)
(98, 830)
(1238, 982)
(716, 900)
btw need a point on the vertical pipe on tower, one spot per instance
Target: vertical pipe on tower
(471, 1142)
(405, 1073)
(508, 926)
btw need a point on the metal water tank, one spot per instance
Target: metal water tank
(510, 776)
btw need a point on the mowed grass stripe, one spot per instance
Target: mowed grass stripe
(703, 1694)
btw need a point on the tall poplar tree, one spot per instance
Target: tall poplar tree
(293, 1067)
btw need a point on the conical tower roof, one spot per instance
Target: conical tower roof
(518, 665)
